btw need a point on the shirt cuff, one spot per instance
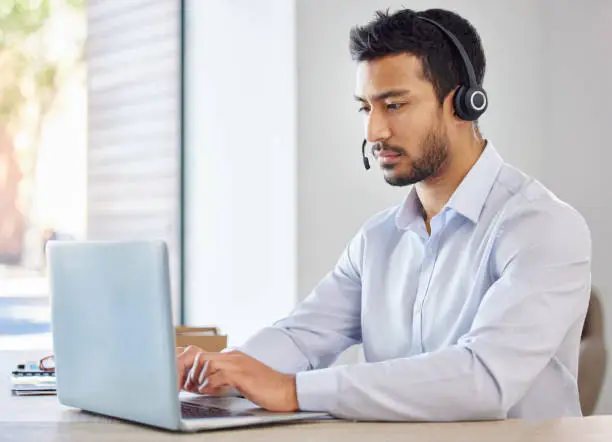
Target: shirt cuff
(275, 349)
(317, 390)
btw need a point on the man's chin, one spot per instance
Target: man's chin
(397, 179)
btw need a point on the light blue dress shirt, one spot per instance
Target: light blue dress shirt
(480, 320)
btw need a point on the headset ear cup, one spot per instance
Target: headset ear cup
(470, 103)
(459, 103)
(476, 102)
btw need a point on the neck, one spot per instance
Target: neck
(435, 192)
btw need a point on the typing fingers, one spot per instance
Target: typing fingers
(185, 362)
(221, 368)
(215, 384)
(198, 369)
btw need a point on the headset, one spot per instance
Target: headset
(470, 100)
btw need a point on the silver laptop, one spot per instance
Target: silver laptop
(114, 340)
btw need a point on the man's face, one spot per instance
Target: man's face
(403, 119)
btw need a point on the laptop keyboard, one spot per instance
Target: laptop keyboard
(193, 411)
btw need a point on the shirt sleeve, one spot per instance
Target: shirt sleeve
(326, 323)
(543, 259)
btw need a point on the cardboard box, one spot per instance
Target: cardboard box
(207, 338)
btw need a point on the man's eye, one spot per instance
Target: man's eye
(364, 109)
(395, 106)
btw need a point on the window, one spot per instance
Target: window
(42, 155)
(90, 142)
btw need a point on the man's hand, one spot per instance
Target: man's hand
(213, 373)
(188, 362)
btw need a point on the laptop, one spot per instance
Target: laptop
(114, 340)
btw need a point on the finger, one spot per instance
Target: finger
(215, 384)
(228, 366)
(203, 364)
(184, 363)
(205, 372)
(201, 369)
(208, 369)
(192, 377)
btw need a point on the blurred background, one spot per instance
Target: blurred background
(228, 129)
(43, 154)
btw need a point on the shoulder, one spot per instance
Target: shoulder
(381, 220)
(533, 216)
(532, 205)
(378, 227)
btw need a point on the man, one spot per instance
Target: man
(469, 297)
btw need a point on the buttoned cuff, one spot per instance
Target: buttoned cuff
(274, 348)
(317, 390)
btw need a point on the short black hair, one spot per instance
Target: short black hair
(402, 32)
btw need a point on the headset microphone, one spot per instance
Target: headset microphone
(366, 162)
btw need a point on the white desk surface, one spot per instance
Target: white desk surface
(42, 419)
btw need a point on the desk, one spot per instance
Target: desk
(42, 419)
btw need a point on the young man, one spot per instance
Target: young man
(469, 297)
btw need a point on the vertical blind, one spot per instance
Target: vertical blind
(133, 55)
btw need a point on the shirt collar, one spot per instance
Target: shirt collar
(410, 211)
(470, 196)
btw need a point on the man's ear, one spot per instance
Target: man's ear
(448, 105)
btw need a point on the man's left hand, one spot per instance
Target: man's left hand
(257, 382)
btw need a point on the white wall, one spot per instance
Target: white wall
(240, 164)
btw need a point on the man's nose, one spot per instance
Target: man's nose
(377, 127)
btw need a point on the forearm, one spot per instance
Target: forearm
(451, 385)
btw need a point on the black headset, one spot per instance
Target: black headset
(470, 100)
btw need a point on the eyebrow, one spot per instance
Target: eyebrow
(384, 95)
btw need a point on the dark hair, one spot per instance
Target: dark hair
(402, 32)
